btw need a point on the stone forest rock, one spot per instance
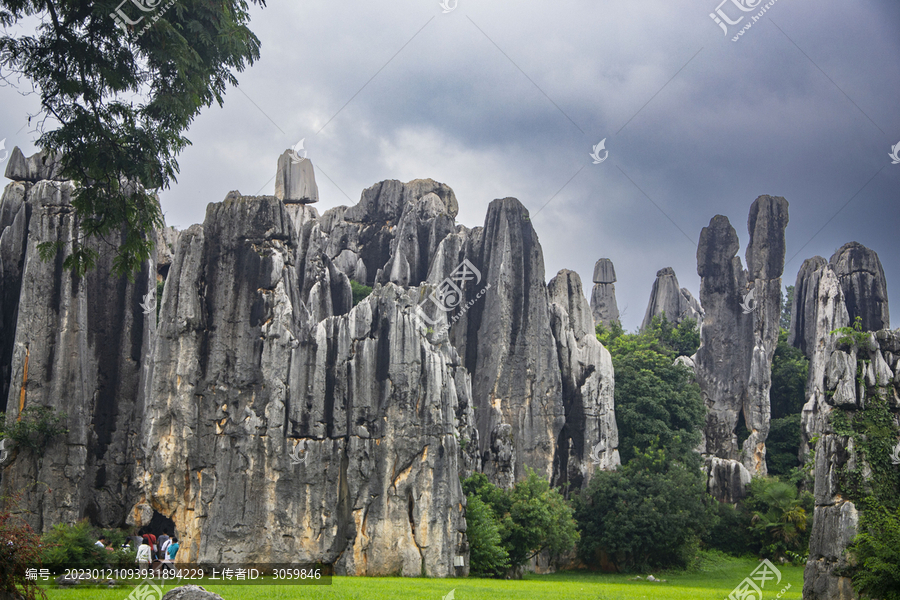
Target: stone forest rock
(78, 345)
(740, 330)
(603, 297)
(267, 418)
(36, 167)
(295, 180)
(667, 297)
(865, 288)
(833, 384)
(836, 517)
(590, 434)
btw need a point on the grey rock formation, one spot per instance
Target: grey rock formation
(727, 480)
(36, 167)
(740, 329)
(802, 333)
(78, 346)
(510, 349)
(295, 182)
(589, 439)
(267, 418)
(835, 387)
(190, 592)
(865, 288)
(603, 297)
(343, 430)
(667, 297)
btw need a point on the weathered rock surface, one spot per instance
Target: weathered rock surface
(342, 431)
(865, 288)
(295, 182)
(727, 480)
(509, 346)
(191, 592)
(833, 384)
(603, 297)
(78, 346)
(836, 518)
(36, 167)
(270, 420)
(667, 297)
(740, 329)
(589, 439)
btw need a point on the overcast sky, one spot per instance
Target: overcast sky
(504, 99)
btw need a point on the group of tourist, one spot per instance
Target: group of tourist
(150, 550)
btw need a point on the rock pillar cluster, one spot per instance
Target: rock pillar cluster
(667, 298)
(739, 334)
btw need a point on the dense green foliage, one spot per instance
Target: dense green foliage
(877, 553)
(74, 545)
(655, 399)
(530, 518)
(35, 428)
(119, 86)
(788, 394)
(650, 513)
(653, 510)
(487, 556)
(781, 518)
(360, 291)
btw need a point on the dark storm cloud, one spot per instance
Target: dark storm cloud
(507, 98)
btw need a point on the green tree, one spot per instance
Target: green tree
(487, 556)
(877, 553)
(360, 291)
(531, 517)
(655, 398)
(780, 517)
(648, 514)
(118, 87)
(35, 428)
(789, 370)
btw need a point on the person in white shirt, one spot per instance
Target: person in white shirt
(143, 556)
(101, 543)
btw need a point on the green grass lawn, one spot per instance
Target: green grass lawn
(714, 581)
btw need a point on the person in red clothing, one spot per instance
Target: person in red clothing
(151, 541)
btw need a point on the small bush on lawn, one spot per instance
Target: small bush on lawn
(70, 545)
